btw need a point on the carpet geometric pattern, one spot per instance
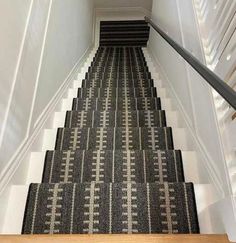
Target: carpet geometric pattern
(107, 104)
(127, 118)
(113, 138)
(107, 166)
(111, 208)
(117, 92)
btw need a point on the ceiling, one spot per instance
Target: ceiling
(147, 4)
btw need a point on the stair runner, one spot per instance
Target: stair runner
(114, 168)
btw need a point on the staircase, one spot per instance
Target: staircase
(114, 168)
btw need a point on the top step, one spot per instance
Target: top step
(124, 33)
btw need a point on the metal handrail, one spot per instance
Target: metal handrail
(215, 81)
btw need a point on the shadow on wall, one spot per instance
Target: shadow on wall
(147, 4)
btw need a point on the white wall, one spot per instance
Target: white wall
(41, 41)
(194, 96)
(147, 4)
(12, 27)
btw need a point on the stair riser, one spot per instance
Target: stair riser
(113, 93)
(116, 104)
(157, 83)
(119, 83)
(113, 166)
(166, 104)
(113, 74)
(111, 208)
(115, 119)
(171, 119)
(114, 138)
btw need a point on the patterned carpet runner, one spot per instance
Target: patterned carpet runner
(124, 103)
(114, 168)
(123, 118)
(117, 92)
(139, 166)
(111, 208)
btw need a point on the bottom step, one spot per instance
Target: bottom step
(111, 208)
(204, 194)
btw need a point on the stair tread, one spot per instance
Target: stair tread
(125, 66)
(111, 208)
(113, 166)
(119, 64)
(116, 103)
(159, 138)
(117, 59)
(116, 92)
(117, 82)
(135, 118)
(131, 73)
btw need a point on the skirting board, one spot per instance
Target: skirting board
(16, 170)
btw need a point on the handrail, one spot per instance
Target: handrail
(215, 81)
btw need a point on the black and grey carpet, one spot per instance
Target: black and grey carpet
(123, 118)
(117, 92)
(107, 104)
(117, 82)
(114, 168)
(115, 138)
(110, 208)
(107, 166)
